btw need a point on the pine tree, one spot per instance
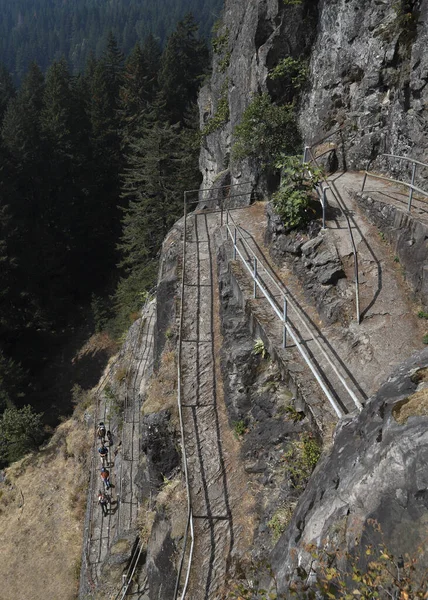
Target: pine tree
(21, 128)
(161, 164)
(7, 89)
(56, 114)
(184, 62)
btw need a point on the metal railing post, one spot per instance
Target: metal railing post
(324, 197)
(284, 316)
(357, 293)
(411, 189)
(305, 154)
(234, 244)
(227, 216)
(364, 181)
(255, 278)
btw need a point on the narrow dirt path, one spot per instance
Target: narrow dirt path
(211, 451)
(390, 329)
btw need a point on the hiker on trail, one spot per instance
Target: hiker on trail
(103, 452)
(105, 476)
(101, 432)
(110, 438)
(102, 501)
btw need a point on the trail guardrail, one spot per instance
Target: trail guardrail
(309, 156)
(411, 185)
(282, 313)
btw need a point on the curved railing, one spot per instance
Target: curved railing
(309, 156)
(411, 185)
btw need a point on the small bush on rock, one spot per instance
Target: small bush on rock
(292, 202)
(260, 348)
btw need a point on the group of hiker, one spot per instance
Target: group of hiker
(103, 450)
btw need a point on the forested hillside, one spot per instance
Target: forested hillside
(92, 174)
(47, 30)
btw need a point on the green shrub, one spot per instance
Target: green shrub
(425, 339)
(311, 451)
(294, 414)
(239, 428)
(292, 202)
(300, 460)
(266, 132)
(422, 314)
(294, 69)
(260, 348)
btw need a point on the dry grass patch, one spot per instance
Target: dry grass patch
(42, 503)
(415, 405)
(99, 342)
(162, 392)
(174, 500)
(145, 520)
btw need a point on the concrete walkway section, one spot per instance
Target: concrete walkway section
(212, 516)
(102, 531)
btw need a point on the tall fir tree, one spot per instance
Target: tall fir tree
(184, 63)
(7, 89)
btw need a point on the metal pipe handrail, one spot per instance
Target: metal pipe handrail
(189, 522)
(299, 316)
(411, 186)
(211, 199)
(265, 292)
(351, 237)
(323, 139)
(392, 180)
(220, 187)
(413, 160)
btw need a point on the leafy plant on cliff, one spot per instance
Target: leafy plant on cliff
(292, 202)
(266, 132)
(260, 349)
(293, 69)
(300, 460)
(220, 45)
(404, 24)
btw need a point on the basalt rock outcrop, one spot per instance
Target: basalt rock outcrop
(368, 75)
(376, 472)
(312, 255)
(255, 36)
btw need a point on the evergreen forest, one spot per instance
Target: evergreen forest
(48, 30)
(92, 172)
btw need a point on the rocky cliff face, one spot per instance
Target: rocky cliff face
(254, 36)
(374, 473)
(368, 74)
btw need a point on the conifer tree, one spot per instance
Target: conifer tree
(161, 164)
(184, 62)
(21, 128)
(7, 89)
